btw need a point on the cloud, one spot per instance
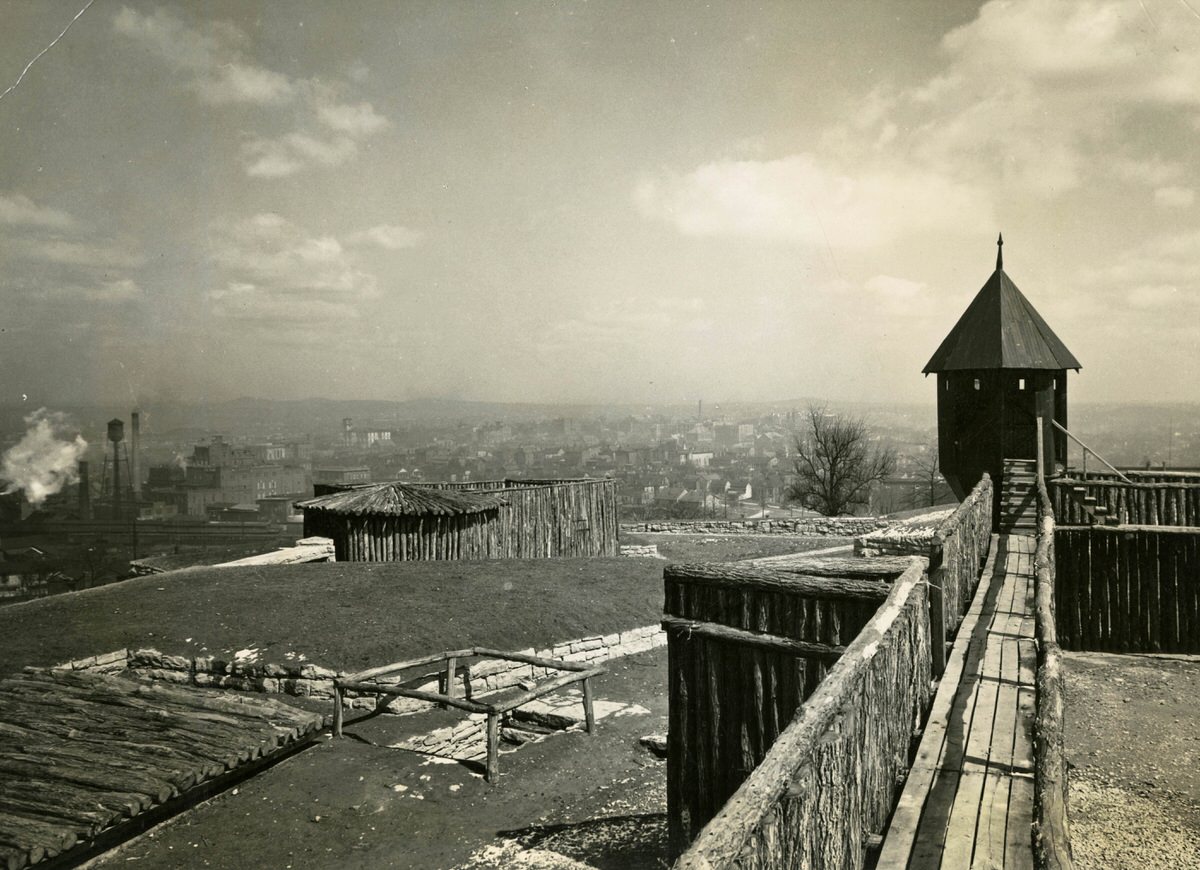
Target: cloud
(60, 258)
(1175, 197)
(388, 236)
(275, 270)
(18, 210)
(802, 199)
(1159, 296)
(215, 61)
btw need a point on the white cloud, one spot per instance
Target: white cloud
(388, 236)
(215, 59)
(357, 120)
(800, 198)
(19, 210)
(251, 302)
(1175, 197)
(1158, 296)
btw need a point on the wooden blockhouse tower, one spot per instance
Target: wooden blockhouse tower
(1000, 368)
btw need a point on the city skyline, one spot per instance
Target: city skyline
(587, 203)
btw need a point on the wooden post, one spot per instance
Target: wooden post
(451, 675)
(937, 621)
(589, 715)
(493, 747)
(337, 710)
(1041, 461)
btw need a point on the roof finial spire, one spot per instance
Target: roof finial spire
(1000, 252)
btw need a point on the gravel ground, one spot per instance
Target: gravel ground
(1134, 743)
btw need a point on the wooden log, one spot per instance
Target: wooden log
(407, 664)
(716, 631)
(825, 588)
(433, 697)
(493, 747)
(1052, 844)
(553, 685)
(525, 658)
(589, 714)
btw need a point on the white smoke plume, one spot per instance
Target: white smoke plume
(44, 460)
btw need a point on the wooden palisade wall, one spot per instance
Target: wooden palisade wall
(962, 542)
(1163, 499)
(1051, 833)
(1128, 588)
(829, 781)
(546, 519)
(729, 697)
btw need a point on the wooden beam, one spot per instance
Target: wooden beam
(557, 664)
(432, 697)
(808, 649)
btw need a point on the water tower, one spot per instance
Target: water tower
(116, 434)
(999, 370)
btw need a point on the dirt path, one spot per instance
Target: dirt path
(1133, 737)
(568, 801)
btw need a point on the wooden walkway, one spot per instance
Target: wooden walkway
(968, 800)
(87, 760)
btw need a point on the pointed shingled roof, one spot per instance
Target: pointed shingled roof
(397, 499)
(1001, 330)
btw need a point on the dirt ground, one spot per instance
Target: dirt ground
(567, 802)
(728, 548)
(1133, 740)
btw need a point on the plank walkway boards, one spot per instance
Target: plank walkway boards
(968, 799)
(83, 755)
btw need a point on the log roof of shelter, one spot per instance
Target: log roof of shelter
(1001, 330)
(398, 499)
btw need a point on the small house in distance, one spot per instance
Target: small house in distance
(505, 519)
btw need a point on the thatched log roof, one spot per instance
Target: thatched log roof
(400, 500)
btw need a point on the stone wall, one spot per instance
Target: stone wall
(807, 527)
(313, 681)
(640, 551)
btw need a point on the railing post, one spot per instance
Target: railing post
(1041, 447)
(937, 611)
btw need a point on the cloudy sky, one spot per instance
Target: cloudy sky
(588, 201)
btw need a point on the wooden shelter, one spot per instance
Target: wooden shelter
(505, 519)
(1000, 368)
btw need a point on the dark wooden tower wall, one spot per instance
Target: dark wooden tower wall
(998, 370)
(988, 415)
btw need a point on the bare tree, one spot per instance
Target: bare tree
(934, 489)
(836, 463)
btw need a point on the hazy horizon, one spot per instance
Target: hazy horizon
(587, 203)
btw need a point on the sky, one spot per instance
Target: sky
(588, 201)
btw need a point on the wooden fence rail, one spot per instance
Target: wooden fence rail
(959, 549)
(829, 781)
(1052, 836)
(1171, 502)
(1128, 588)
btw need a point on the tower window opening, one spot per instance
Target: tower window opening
(1020, 383)
(1054, 384)
(947, 385)
(977, 383)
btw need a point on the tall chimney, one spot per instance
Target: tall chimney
(135, 462)
(85, 492)
(116, 434)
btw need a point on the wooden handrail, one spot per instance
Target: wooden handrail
(1075, 438)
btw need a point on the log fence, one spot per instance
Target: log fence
(827, 784)
(959, 549)
(1158, 499)
(1052, 836)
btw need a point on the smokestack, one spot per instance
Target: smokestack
(135, 462)
(85, 493)
(116, 434)
(699, 409)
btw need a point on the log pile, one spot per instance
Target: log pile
(82, 754)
